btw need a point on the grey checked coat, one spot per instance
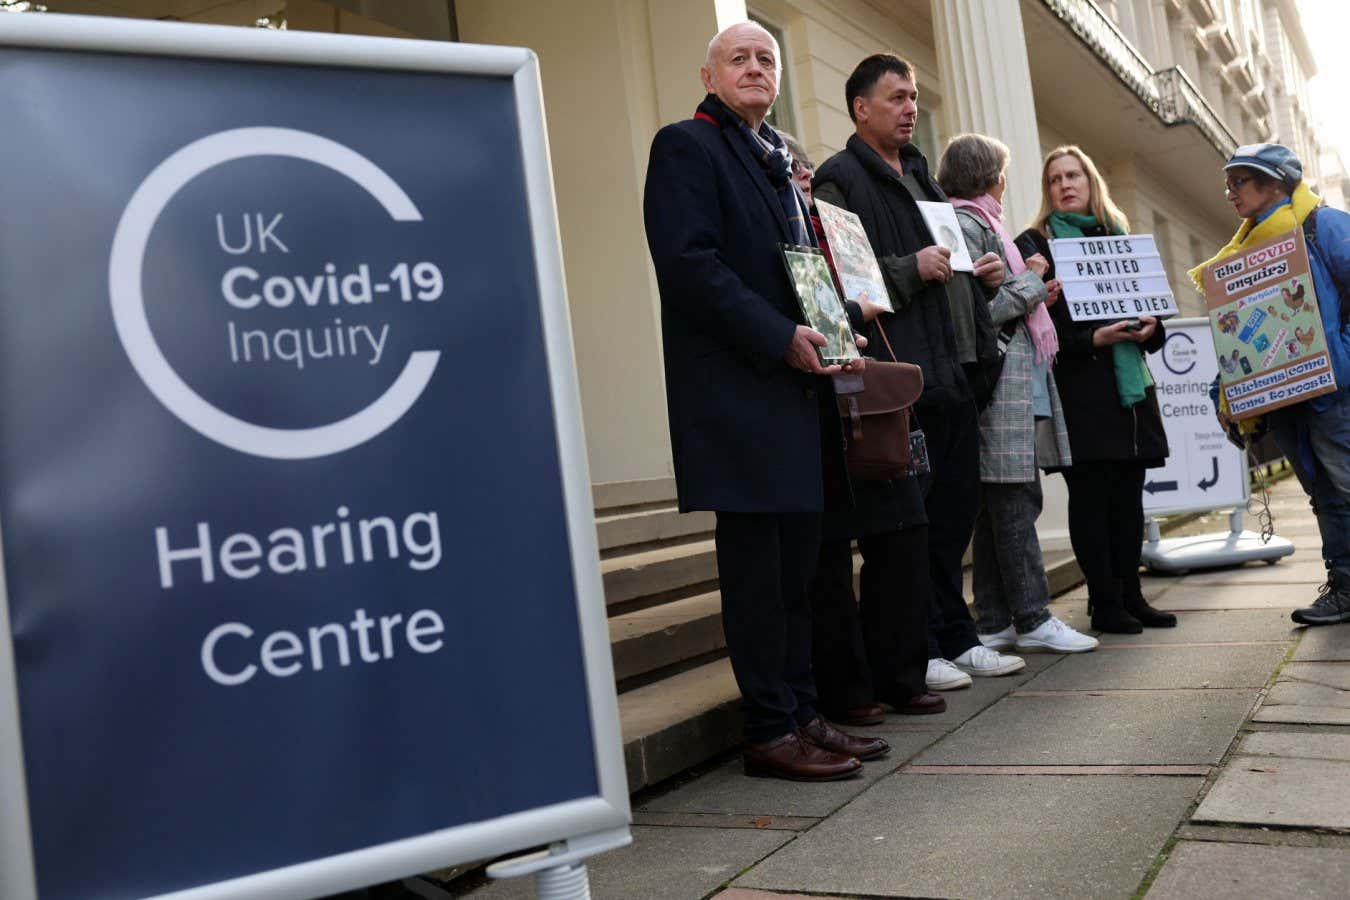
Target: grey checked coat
(1012, 443)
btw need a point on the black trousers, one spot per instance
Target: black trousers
(952, 501)
(765, 563)
(1106, 525)
(875, 647)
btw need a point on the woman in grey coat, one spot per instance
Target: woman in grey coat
(1023, 426)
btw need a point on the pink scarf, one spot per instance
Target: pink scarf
(1042, 330)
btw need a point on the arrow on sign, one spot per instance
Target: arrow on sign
(1207, 483)
(1154, 487)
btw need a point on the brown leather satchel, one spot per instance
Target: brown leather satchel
(875, 409)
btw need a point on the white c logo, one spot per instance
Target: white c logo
(133, 327)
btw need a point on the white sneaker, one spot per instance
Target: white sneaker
(943, 676)
(1056, 637)
(983, 661)
(999, 640)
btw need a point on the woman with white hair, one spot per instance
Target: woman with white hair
(1023, 425)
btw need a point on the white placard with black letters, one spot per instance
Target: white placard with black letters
(1112, 277)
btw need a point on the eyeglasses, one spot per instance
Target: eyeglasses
(798, 167)
(1233, 185)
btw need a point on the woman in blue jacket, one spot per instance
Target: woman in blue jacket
(1266, 187)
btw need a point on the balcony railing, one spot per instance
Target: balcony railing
(1182, 102)
(1169, 93)
(1092, 26)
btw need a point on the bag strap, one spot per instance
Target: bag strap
(876, 323)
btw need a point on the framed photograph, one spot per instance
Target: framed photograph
(946, 230)
(820, 303)
(859, 275)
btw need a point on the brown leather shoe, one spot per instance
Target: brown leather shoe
(826, 736)
(868, 714)
(925, 704)
(796, 759)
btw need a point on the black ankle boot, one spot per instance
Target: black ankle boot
(1108, 610)
(1132, 594)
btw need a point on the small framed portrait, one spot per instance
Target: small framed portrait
(946, 231)
(820, 304)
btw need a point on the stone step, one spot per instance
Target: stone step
(657, 571)
(662, 636)
(646, 526)
(679, 722)
(617, 494)
(687, 718)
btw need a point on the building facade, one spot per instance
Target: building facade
(1157, 91)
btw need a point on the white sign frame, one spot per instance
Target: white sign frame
(477, 840)
(1113, 262)
(1202, 325)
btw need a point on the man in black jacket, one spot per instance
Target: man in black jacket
(745, 389)
(879, 175)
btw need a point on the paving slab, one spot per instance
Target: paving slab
(1152, 586)
(1261, 790)
(1284, 837)
(723, 820)
(1192, 595)
(1330, 643)
(1216, 626)
(727, 789)
(1144, 728)
(1303, 715)
(966, 703)
(916, 836)
(1221, 871)
(1139, 668)
(662, 864)
(1282, 572)
(1328, 674)
(1301, 746)
(749, 894)
(1315, 693)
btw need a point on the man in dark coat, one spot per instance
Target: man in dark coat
(745, 389)
(880, 175)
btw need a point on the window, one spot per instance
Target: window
(782, 116)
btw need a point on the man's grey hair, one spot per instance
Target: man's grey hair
(716, 42)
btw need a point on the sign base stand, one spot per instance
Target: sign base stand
(1176, 556)
(561, 869)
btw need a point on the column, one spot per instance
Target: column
(613, 73)
(986, 80)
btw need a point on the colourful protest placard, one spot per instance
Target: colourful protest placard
(1267, 328)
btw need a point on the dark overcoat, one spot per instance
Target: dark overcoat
(745, 427)
(1100, 429)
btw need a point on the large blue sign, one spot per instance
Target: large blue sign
(285, 533)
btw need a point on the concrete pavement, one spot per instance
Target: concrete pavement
(1209, 760)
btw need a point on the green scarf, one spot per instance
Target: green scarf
(1132, 374)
